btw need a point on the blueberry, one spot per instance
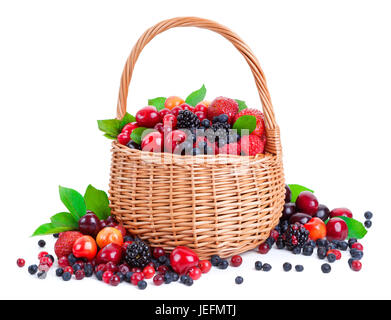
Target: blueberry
(183, 278)
(88, 270)
(205, 123)
(287, 266)
(99, 275)
(350, 261)
(167, 278)
(215, 119)
(33, 269)
(270, 241)
(215, 260)
(311, 243)
(308, 251)
(239, 280)
(296, 250)
(50, 257)
(258, 265)
(162, 259)
(356, 254)
(343, 245)
(222, 118)
(128, 276)
(174, 276)
(326, 268)
(120, 276)
(56, 235)
(186, 280)
(351, 241)
(142, 284)
(41, 243)
(72, 259)
(299, 268)
(322, 243)
(76, 267)
(322, 253)
(66, 276)
(368, 224)
(280, 243)
(59, 272)
(368, 215)
(331, 257)
(223, 264)
(266, 267)
(128, 238)
(42, 275)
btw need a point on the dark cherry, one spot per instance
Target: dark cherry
(306, 202)
(323, 212)
(90, 224)
(289, 210)
(110, 219)
(300, 217)
(337, 229)
(288, 194)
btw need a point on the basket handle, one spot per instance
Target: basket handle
(252, 61)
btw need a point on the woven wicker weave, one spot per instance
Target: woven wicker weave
(221, 204)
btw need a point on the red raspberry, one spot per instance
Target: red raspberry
(222, 105)
(260, 128)
(236, 261)
(252, 145)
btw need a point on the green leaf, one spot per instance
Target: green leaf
(242, 104)
(108, 136)
(74, 202)
(98, 202)
(49, 228)
(136, 135)
(296, 190)
(246, 122)
(355, 228)
(196, 97)
(64, 219)
(110, 126)
(128, 118)
(157, 102)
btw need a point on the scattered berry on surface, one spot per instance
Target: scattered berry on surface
(331, 257)
(357, 246)
(114, 280)
(158, 280)
(33, 269)
(66, 276)
(287, 266)
(142, 285)
(368, 215)
(41, 243)
(258, 265)
(356, 265)
(236, 261)
(80, 274)
(299, 268)
(326, 268)
(20, 262)
(266, 267)
(205, 266)
(239, 280)
(368, 224)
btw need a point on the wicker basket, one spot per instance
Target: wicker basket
(221, 204)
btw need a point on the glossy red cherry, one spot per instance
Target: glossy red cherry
(300, 217)
(164, 112)
(169, 120)
(90, 224)
(205, 266)
(323, 212)
(288, 211)
(148, 117)
(173, 139)
(201, 115)
(110, 253)
(128, 128)
(121, 228)
(288, 194)
(182, 259)
(152, 142)
(306, 202)
(341, 212)
(123, 138)
(158, 280)
(236, 261)
(176, 110)
(185, 106)
(337, 229)
(85, 247)
(149, 272)
(194, 273)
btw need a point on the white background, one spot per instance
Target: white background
(328, 69)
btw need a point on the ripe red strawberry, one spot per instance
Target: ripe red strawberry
(260, 128)
(252, 145)
(222, 105)
(232, 148)
(64, 244)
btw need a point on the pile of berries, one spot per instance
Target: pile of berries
(206, 129)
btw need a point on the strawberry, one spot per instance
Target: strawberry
(222, 105)
(232, 148)
(260, 128)
(64, 244)
(252, 144)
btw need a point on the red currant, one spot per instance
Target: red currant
(20, 262)
(158, 280)
(356, 265)
(42, 254)
(149, 272)
(162, 269)
(358, 246)
(110, 266)
(68, 269)
(46, 260)
(336, 252)
(114, 280)
(205, 266)
(263, 248)
(201, 115)
(194, 273)
(136, 277)
(107, 276)
(123, 138)
(79, 274)
(236, 261)
(306, 202)
(158, 252)
(63, 262)
(147, 117)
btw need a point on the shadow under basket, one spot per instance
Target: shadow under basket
(222, 204)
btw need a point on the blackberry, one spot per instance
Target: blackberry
(295, 237)
(266, 267)
(239, 280)
(138, 254)
(258, 265)
(33, 269)
(368, 224)
(215, 260)
(299, 268)
(287, 266)
(187, 120)
(41, 243)
(326, 268)
(368, 215)
(142, 285)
